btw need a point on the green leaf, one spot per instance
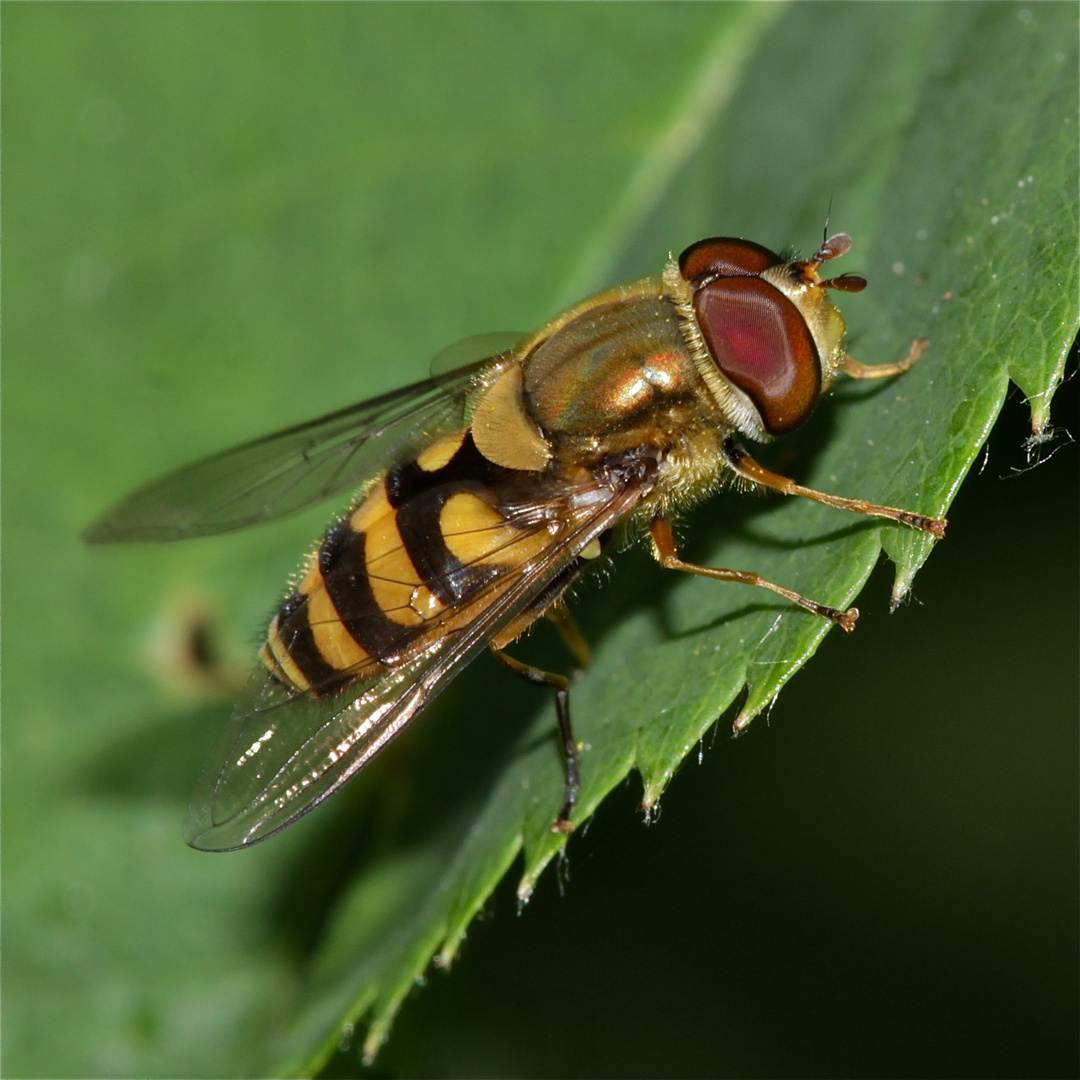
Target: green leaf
(221, 220)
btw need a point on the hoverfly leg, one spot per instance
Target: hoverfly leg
(664, 544)
(571, 635)
(856, 370)
(742, 464)
(561, 685)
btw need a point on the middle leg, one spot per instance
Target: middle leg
(561, 685)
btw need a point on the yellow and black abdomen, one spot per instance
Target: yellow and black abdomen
(424, 543)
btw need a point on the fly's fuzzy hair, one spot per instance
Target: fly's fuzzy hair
(731, 403)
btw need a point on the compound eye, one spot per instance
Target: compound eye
(761, 342)
(725, 256)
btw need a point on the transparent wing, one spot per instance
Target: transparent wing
(283, 752)
(447, 362)
(283, 473)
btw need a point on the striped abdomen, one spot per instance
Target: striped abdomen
(416, 552)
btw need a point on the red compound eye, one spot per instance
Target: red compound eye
(761, 342)
(725, 256)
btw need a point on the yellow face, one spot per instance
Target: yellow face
(824, 321)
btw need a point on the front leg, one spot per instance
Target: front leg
(742, 464)
(855, 370)
(664, 546)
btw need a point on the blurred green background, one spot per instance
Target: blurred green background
(223, 219)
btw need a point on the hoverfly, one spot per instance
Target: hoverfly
(481, 495)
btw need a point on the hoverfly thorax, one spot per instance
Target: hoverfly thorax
(766, 336)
